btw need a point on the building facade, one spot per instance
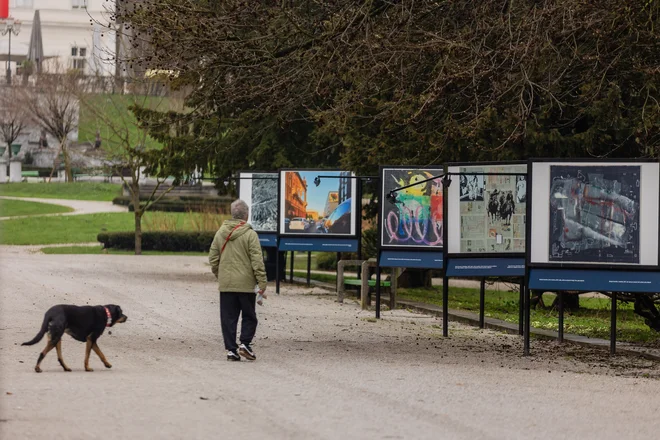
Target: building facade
(75, 35)
(296, 195)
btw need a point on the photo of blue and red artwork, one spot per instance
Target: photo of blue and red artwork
(414, 218)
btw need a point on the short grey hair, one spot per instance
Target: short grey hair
(239, 210)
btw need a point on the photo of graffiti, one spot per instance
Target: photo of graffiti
(495, 221)
(594, 214)
(263, 208)
(415, 218)
(323, 209)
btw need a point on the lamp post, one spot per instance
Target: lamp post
(9, 26)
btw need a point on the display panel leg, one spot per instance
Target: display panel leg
(378, 292)
(613, 326)
(527, 327)
(291, 268)
(445, 306)
(521, 309)
(482, 300)
(561, 316)
(277, 272)
(309, 269)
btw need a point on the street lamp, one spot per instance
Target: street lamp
(9, 26)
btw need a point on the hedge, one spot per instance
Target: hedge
(181, 241)
(182, 204)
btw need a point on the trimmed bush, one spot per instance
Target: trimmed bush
(180, 204)
(326, 261)
(183, 241)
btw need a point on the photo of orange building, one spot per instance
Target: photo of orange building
(311, 204)
(296, 196)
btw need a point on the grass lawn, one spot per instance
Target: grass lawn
(11, 208)
(84, 228)
(593, 318)
(110, 113)
(300, 261)
(93, 250)
(326, 278)
(58, 190)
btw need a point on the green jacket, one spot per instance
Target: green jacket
(241, 266)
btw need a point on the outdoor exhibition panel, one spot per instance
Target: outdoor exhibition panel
(410, 224)
(311, 206)
(594, 214)
(411, 217)
(595, 228)
(318, 212)
(485, 224)
(486, 210)
(260, 190)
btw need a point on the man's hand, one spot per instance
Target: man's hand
(262, 292)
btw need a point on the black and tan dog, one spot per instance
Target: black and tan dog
(83, 323)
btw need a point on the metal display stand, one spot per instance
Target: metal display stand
(408, 256)
(309, 243)
(595, 272)
(484, 264)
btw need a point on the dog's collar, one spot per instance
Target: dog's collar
(109, 322)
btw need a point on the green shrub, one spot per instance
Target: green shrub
(179, 241)
(326, 261)
(180, 204)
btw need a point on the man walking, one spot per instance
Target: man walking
(237, 261)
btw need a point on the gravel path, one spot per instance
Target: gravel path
(324, 370)
(79, 206)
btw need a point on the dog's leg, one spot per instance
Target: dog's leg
(98, 351)
(59, 356)
(88, 350)
(100, 354)
(42, 355)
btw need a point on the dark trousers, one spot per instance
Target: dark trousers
(231, 306)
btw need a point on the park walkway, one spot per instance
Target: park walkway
(325, 370)
(79, 207)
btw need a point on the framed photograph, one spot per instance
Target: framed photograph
(259, 191)
(486, 214)
(594, 213)
(414, 218)
(318, 206)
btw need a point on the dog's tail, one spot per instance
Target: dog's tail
(42, 332)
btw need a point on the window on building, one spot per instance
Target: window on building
(78, 60)
(27, 4)
(78, 4)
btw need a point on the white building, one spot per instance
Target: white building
(74, 33)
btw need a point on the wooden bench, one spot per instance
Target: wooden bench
(29, 173)
(364, 283)
(371, 283)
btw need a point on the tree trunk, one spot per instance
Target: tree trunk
(67, 163)
(571, 302)
(137, 209)
(415, 278)
(138, 231)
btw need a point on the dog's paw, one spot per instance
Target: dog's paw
(67, 369)
(89, 369)
(108, 365)
(37, 369)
